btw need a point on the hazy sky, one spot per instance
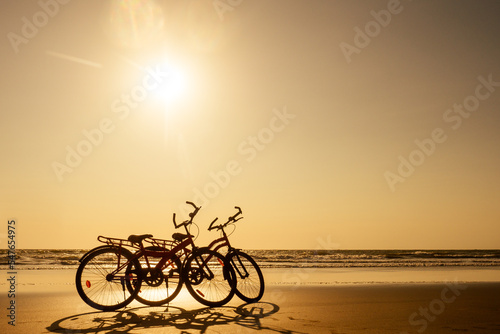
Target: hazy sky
(338, 124)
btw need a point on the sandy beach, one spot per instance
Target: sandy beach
(50, 304)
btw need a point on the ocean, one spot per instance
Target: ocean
(33, 259)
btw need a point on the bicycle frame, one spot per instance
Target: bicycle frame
(181, 246)
(221, 242)
(164, 255)
(224, 242)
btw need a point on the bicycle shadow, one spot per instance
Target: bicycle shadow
(246, 318)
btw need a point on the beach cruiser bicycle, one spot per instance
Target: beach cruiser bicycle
(249, 278)
(109, 277)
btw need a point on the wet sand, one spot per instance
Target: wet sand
(459, 307)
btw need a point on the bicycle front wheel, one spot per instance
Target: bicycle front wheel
(102, 277)
(249, 278)
(208, 278)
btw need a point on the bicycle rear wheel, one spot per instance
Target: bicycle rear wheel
(249, 278)
(158, 286)
(102, 277)
(208, 278)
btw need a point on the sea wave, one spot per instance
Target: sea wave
(69, 258)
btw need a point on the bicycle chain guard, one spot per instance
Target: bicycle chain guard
(195, 276)
(155, 279)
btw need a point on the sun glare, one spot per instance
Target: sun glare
(174, 85)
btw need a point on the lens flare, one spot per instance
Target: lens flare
(135, 23)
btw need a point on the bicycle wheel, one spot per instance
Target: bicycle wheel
(102, 275)
(158, 286)
(249, 278)
(208, 279)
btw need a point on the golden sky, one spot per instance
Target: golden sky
(337, 124)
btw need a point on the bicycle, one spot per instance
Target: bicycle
(199, 284)
(109, 277)
(249, 279)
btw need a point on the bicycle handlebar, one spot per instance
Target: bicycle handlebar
(231, 219)
(196, 209)
(237, 214)
(175, 224)
(191, 216)
(210, 227)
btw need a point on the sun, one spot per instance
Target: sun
(174, 85)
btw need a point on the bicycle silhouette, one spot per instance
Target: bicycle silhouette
(109, 277)
(249, 279)
(249, 284)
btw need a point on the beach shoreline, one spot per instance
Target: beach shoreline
(39, 280)
(47, 302)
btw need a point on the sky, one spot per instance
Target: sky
(332, 124)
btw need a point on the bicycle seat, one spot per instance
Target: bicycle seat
(180, 236)
(137, 239)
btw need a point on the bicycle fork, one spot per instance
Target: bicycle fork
(242, 274)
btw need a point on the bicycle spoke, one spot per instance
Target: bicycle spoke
(206, 278)
(249, 279)
(100, 285)
(160, 285)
